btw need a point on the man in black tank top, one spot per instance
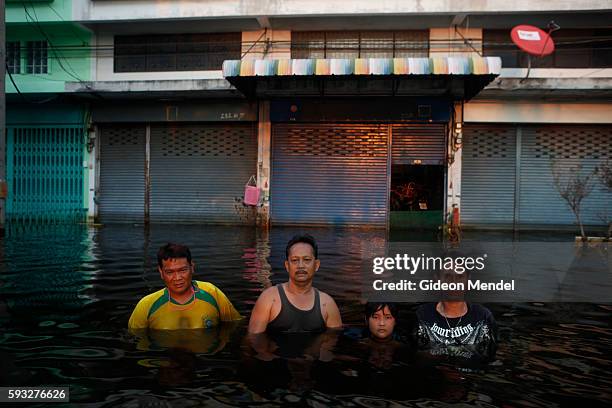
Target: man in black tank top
(296, 306)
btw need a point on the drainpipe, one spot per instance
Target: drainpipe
(264, 136)
(147, 174)
(455, 147)
(3, 186)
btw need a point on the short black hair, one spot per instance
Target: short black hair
(373, 307)
(173, 251)
(305, 239)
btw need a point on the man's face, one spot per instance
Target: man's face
(301, 264)
(381, 323)
(176, 274)
(451, 277)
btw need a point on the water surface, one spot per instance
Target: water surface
(66, 294)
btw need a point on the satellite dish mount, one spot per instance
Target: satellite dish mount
(534, 41)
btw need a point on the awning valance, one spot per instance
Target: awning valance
(458, 77)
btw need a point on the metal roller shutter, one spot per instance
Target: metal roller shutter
(418, 144)
(569, 145)
(198, 172)
(329, 174)
(488, 175)
(122, 168)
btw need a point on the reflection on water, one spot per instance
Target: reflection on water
(66, 295)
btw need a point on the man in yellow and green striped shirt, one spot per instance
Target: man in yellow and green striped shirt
(184, 303)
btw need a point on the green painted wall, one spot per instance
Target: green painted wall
(69, 56)
(40, 10)
(47, 126)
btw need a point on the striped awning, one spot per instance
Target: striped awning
(365, 66)
(472, 73)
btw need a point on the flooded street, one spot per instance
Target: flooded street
(66, 294)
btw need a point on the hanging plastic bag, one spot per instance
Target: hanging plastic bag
(251, 192)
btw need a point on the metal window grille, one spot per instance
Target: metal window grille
(36, 57)
(45, 174)
(13, 57)
(176, 52)
(359, 44)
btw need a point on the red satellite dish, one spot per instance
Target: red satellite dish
(532, 40)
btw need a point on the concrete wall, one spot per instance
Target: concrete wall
(55, 11)
(451, 42)
(266, 44)
(534, 112)
(137, 9)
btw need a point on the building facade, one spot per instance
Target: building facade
(382, 114)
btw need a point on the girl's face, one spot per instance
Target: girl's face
(381, 323)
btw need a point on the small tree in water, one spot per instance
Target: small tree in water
(604, 172)
(573, 186)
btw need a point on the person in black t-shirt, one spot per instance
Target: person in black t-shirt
(455, 327)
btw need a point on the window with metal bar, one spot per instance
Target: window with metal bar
(13, 57)
(36, 61)
(359, 44)
(175, 52)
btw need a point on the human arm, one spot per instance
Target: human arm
(260, 315)
(140, 315)
(331, 313)
(227, 311)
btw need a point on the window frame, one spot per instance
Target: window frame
(147, 53)
(31, 67)
(16, 69)
(321, 42)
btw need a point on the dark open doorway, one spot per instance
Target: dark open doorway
(416, 198)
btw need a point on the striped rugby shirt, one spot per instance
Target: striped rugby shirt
(160, 312)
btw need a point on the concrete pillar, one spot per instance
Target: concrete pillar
(3, 184)
(453, 197)
(264, 137)
(92, 171)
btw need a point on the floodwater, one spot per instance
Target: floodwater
(66, 294)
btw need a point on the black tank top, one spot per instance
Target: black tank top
(293, 320)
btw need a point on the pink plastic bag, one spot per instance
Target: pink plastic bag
(251, 192)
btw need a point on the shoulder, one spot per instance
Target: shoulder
(207, 286)
(150, 303)
(152, 297)
(480, 312)
(269, 294)
(325, 298)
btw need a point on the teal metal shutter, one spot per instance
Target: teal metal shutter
(419, 144)
(568, 146)
(488, 175)
(198, 172)
(329, 174)
(45, 174)
(121, 195)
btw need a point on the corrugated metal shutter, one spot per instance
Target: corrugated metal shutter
(329, 174)
(568, 146)
(122, 168)
(414, 144)
(488, 175)
(198, 172)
